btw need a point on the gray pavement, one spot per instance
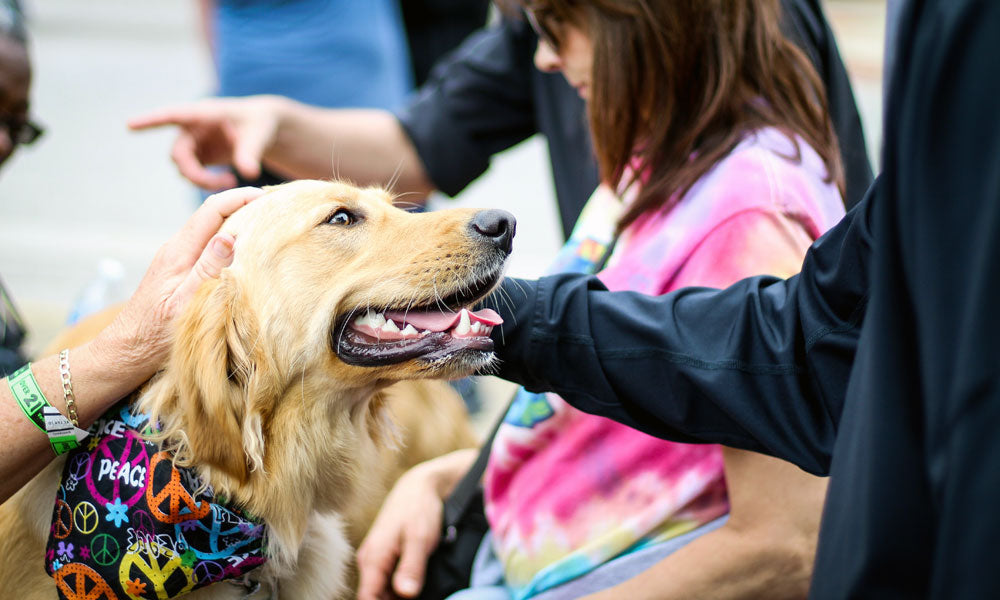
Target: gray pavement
(91, 189)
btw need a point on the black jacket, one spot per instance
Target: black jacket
(487, 96)
(878, 364)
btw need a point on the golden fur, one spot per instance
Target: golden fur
(256, 398)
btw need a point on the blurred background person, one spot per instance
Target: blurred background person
(482, 99)
(97, 63)
(578, 503)
(17, 129)
(332, 53)
(436, 27)
(322, 52)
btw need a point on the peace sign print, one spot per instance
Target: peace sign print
(62, 521)
(104, 549)
(143, 524)
(180, 506)
(222, 535)
(207, 572)
(165, 570)
(85, 518)
(118, 460)
(79, 582)
(76, 470)
(78, 465)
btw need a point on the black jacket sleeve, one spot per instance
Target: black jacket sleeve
(477, 102)
(762, 365)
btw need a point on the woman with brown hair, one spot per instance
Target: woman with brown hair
(719, 162)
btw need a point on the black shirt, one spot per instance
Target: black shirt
(487, 96)
(878, 364)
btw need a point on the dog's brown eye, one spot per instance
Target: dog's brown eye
(342, 217)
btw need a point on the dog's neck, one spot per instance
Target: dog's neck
(315, 446)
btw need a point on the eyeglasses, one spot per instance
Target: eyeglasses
(20, 130)
(542, 29)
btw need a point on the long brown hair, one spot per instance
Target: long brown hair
(677, 84)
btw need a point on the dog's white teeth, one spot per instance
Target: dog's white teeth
(487, 329)
(390, 325)
(476, 328)
(410, 330)
(372, 319)
(464, 323)
(426, 332)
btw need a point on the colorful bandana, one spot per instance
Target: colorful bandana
(128, 524)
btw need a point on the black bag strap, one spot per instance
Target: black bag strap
(467, 488)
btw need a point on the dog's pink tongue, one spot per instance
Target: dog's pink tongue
(441, 321)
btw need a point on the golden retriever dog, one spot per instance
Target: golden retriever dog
(276, 393)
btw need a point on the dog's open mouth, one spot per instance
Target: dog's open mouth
(377, 338)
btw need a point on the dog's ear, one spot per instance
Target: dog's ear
(218, 380)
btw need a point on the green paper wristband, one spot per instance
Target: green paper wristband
(28, 395)
(33, 402)
(63, 444)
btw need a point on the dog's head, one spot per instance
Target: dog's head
(333, 293)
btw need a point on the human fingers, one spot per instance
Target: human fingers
(184, 153)
(251, 140)
(142, 328)
(187, 245)
(376, 558)
(216, 256)
(419, 540)
(184, 115)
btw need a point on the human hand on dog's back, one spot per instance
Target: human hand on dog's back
(130, 350)
(408, 527)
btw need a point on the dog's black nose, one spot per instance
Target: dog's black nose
(496, 225)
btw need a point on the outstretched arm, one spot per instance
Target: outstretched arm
(762, 365)
(367, 146)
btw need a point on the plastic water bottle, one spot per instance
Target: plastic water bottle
(102, 291)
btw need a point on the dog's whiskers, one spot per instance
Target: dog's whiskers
(395, 176)
(335, 162)
(410, 304)
(406, 205)
(340, 333)
(503, 296)
(438, 300)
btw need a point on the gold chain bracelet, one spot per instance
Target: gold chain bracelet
(67, 383)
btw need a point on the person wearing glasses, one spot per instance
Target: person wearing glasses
(485, 97)
(16, 129)
(876, 365)
(127, 352)
(578, 504)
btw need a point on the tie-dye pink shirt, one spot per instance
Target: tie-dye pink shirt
(567, 491)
